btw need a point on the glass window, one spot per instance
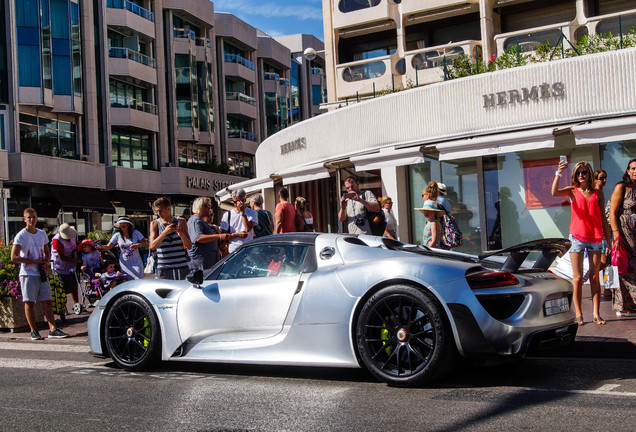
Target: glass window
(518, 201)
(131, 150)
(270, 260)
(614, 159)
(460, 178)
(47, 136)
(29, 69)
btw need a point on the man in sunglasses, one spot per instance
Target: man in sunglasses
(239, 221)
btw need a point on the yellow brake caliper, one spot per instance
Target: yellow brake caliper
(385, 335)
(146, 332)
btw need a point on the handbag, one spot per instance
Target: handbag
(150, 265)
(564, 267)
(611, 279)
(619, 257)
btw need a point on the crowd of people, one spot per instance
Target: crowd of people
(179, 246)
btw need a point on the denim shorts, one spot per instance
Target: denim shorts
(578, 246)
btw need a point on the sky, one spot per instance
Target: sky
(277, 17)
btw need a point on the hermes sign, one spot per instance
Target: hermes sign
(541, 92)
(297, 144)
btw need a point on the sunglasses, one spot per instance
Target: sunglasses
(603, 178)
(390, 202)
(582, 173)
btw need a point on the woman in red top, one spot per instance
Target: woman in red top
(588, 227)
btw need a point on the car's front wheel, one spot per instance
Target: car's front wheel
(131, 333)
(403, 338)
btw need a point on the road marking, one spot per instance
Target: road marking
(43, 346)
(605, 390)
(20, 363)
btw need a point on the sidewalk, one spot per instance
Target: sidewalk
(616, 339)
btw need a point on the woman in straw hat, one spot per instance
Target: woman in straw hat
(62, 247)
(432, 234)
(129, 240)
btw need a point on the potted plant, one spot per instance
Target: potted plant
(11, 306)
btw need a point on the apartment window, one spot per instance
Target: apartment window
(47, 136)
(131, 150)
(123, 94)
(75, 50)
(241, 164)
(4, 73)
(61, 47)
(186, 90)
(29, 53)
(190, 153)
(295, 92)
(353, 5)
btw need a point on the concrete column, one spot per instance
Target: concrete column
(331, 49)
(394, 185)
(489, 24)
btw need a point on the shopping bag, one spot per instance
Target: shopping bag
(564, 267)
(150, 265)
(619, 258)
(611, 277)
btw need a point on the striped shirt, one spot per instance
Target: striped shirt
(171, 253)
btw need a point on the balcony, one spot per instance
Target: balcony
(352, 12)
(127, 111)
(611, 23)
(529, 39)
(239, 141)
(126, 62)
(236, 66)
(426, 65)
(364, 76)
(243, 105)
(36, 168)
(123, 13)
(434, 10)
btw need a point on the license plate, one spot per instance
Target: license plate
(556, 306)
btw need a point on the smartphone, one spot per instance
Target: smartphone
(563, 158)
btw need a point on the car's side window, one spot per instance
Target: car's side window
(265, 260)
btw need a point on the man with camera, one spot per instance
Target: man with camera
(239, 221)
(169, 237)
(354, 205)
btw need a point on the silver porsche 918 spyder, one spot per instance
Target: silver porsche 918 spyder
(404, 312)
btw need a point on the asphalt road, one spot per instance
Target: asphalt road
(57, 386)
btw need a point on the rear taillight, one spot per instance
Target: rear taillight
(491, 280)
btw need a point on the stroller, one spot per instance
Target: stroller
(90, 290)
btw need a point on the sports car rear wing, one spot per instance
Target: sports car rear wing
(550, 248)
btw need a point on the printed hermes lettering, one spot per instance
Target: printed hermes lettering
(543, 92)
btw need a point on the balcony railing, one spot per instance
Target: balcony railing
(317, 71)
(120, 52)
(283, 81)
(203, 41)
(235, 58)
(364, 70)
(271, 76)
(132, 7)
(128, 102)
(240, 97)
(184, 33)
(237, 133)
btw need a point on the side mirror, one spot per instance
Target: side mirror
(195, 277)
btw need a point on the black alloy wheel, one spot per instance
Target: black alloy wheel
(403, 338)
(131, 333)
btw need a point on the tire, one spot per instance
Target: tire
(131, 334)
(403, 337)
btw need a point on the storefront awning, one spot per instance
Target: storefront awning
(82, 200)
(133, 203)
(388, 158)
(304, 173)
(248, 186)
(619, 129)
(491, 145)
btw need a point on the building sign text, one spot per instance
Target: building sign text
(510, 97)
(297, 144)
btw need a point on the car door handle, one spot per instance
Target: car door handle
(327, 253)
(299, 287)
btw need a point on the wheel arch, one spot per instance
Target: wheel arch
(387, 283)
(112, 301)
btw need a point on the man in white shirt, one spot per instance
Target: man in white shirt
(239, 221)
(31, 250)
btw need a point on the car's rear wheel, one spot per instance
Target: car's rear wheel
(131, 333)
(403, 338)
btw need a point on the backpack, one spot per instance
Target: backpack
(377, 221)
(451, 234)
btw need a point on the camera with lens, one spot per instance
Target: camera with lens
(360, 221)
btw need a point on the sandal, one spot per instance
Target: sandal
(598, 320)
(579, 320)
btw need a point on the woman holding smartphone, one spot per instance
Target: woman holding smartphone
(588, 228)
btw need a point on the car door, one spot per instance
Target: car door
(247, 299)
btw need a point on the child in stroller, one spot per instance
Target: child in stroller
(110, 277)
